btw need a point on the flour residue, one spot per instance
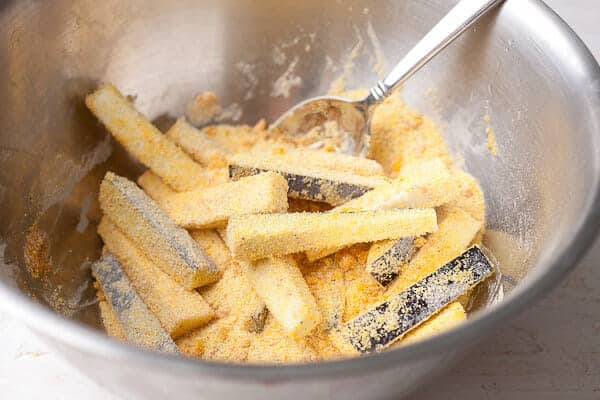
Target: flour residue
(367, 43)
(232, 112)
(338, 86)
(68, 306)
(279, 55)
(329, 64)
(205, 108)
(287, 81)
(60, 175)
(379, 65)
(250, 80)
(47, 272)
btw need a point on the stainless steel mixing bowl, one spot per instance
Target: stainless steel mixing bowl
(523, 67)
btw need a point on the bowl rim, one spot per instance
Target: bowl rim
(96, 343)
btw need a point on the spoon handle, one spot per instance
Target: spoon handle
(461, 17)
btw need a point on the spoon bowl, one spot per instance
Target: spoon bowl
(328, 120)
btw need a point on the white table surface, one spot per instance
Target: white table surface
(550, 352)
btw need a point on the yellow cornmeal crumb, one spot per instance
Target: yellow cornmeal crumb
(261, 235)
(491, 144)
(178, 310)
(321, 343)
(197, 144)
(361, 289)
(455, 232)
(337, 87)
(290, 155)
(212, 207)
(273, 345)
(449, 317)
(260, 126)
(204, 108)
(279, 282)
(325, 280)
(224, 339)
(491, 141)
(400, 136)
(171, 248)
(213, 245)
(379, 248)
(110, 321)
(234, 295)
(191, 345)
(420, 241)
(144, 141)
(470, 197)
(237, 138)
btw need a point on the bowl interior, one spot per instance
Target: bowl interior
(541, 97)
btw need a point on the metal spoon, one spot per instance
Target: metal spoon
(353, 117)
